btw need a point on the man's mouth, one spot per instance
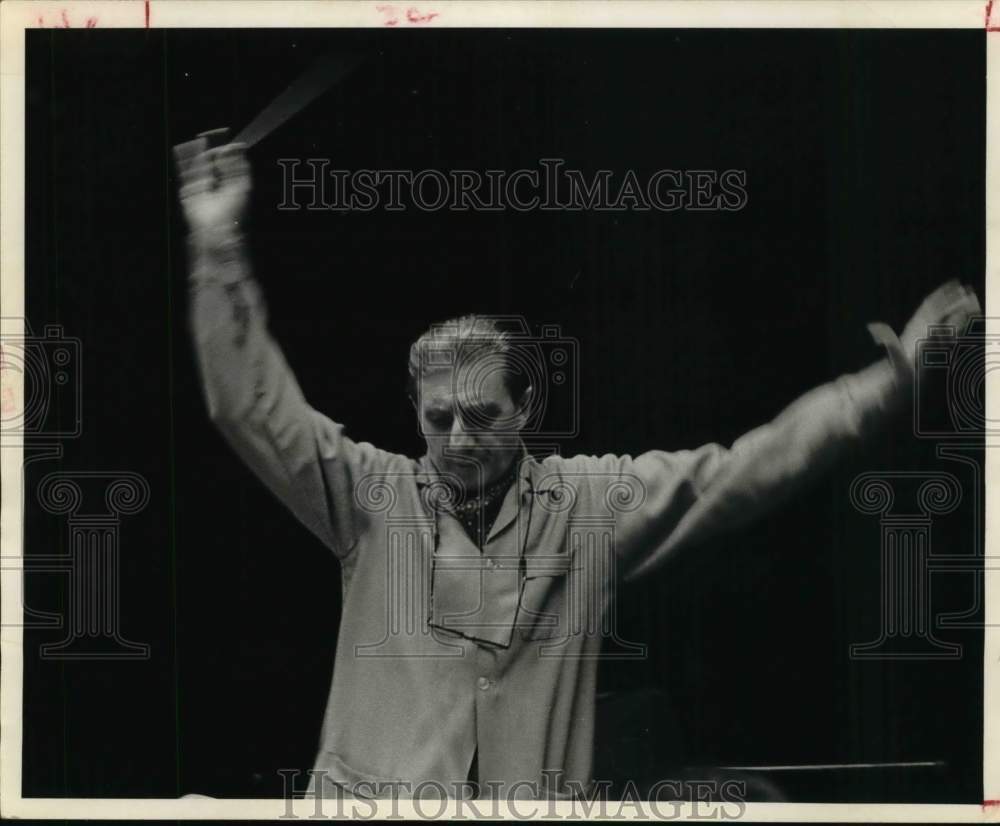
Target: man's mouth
(468, 461)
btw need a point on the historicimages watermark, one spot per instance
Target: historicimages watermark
(312, 184)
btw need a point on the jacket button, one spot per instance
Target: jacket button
(484, 683)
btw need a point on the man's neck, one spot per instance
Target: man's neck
(495, 486)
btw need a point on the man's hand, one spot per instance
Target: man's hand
(951, 303)
(215, 184)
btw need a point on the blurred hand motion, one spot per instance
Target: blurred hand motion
(950, 304)
(214, 183)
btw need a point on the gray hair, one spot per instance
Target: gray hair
(475, 340)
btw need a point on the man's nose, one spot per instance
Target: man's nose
(458, 439)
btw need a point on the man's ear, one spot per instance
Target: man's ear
(524, 406)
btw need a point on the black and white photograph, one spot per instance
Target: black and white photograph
(479, 410)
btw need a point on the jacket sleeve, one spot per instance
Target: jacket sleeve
(676, 499)
(303, 457)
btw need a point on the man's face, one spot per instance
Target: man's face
(470, 423)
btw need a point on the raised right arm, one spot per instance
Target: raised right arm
(251, 394)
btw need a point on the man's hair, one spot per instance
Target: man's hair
(473, 341)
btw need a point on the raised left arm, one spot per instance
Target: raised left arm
(691, 495)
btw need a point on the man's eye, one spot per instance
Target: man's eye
(439, 420)
(488, 415)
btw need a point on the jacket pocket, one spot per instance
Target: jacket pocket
(547, 597)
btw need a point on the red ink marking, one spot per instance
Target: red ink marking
(989, 11)
(8, 404)
(415, 16)
(147, 14)
(412, 15)
(64, 22)
(390, 12)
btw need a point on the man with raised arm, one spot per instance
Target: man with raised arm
(476, 579)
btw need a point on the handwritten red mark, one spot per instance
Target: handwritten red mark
(989, 804)
(415, 16)
(412, 15)
(989, 11)
(390, 14)
(65, 23)
(147, 14)
(8, 404)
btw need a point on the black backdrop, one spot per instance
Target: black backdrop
(864, 153)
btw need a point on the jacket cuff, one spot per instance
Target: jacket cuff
(218, 257)
(876, 393)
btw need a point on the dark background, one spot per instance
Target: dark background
(864, 153)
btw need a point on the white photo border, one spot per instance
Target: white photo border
(17, 16)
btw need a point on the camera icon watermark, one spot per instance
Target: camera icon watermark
(955, 363)
(540, 372)
(40, 390)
